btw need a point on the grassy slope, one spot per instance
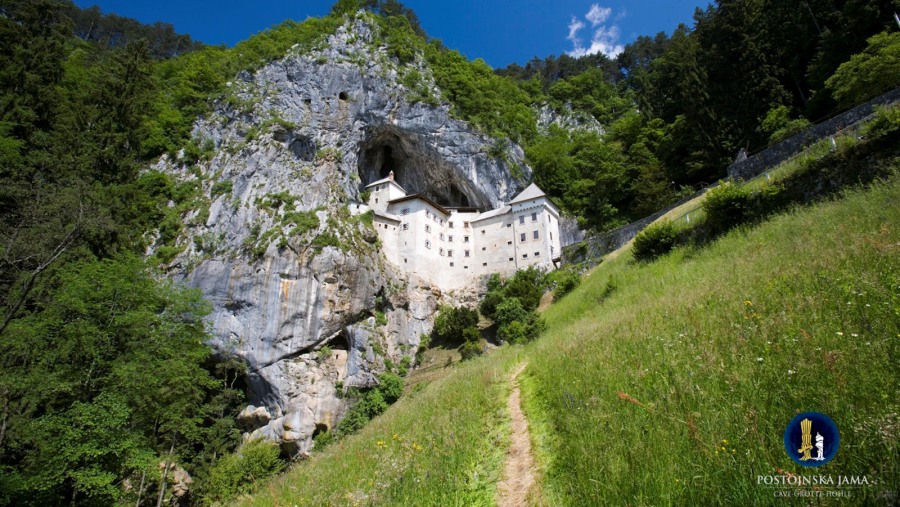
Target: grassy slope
(440, 446)
(683, 337)
(726, 344)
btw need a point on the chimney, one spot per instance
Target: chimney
(391, 175)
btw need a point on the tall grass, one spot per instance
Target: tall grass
(442, 445)
(676, 387)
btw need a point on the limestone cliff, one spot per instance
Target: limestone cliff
(299, 287)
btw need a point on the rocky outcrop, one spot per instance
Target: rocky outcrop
(298, 285)
(567, 119)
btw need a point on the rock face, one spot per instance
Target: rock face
(299, 287)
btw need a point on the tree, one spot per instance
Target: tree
(105, 377)
(452, 322)
(868, 74)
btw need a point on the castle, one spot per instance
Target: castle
(454, 246)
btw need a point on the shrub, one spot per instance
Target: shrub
(657, 239)
(391, 387)
(566, 281)
(726, 206)
(527, 285)
(424, 341)
(470, 350)
(323, 440)
(515, 324)
(452, 322)
(239, 473)
(222, 187)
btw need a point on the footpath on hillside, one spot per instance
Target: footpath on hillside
(516, 486)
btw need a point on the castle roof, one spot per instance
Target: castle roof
(386, 216)
(532, 192)
(385, 180)
(492, 213)
(422, 198)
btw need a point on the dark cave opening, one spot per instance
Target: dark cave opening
(417, 167)
(339, 342)
(320, 428)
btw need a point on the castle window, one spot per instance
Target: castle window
(466, 225)
(483, 248)
(522, 237)
(521, 219)
(441, 251)
(534, 217)
(465, 239)
(406, 227)
(509, 242)
(450, 238)
(428, 228)
(405, 261)
(484, 263)
(509, 225)
(442, 236)
(465, 267)
(427, 244)
(449, 253)
(405, 211)
(510, 259)
(467, 253)
(524, 256)
(535, 234)
(451, 225)
(551, 236)
(537, 254)
(483, 231)
(376, 200)
(451, 264)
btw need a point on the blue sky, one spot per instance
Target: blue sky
(499, 31)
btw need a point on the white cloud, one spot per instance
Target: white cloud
(598, 14)
(605, 38)
(574, 27)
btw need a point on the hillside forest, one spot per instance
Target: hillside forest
(105, 381)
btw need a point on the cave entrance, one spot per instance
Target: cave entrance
(320, 428)
(339, 342)
(417, 167)
(387, 161)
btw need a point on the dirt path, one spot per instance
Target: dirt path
(519, 471)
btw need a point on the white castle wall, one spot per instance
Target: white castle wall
(453, 248)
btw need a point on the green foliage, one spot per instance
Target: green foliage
(222, 187)
(516, 324)
(512, 304)
(380, 319)
(869, 73)
(470, 350)
(303, 221)
(726, 206)
(779, 126)
(391, 387)
(451, 323)
(323, 440)
(274, 201)
(108, 373)
(424, 342)
(565, 280)
(241, 472)
(657, 239)
(527, 285)
(885, 122)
